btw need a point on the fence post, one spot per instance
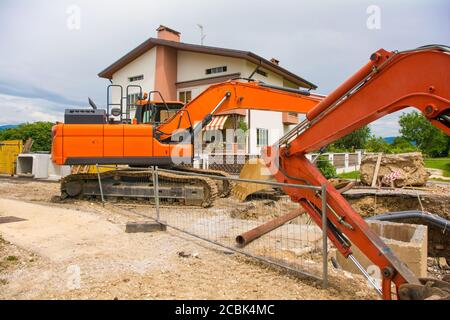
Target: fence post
(331, 158)
(324, 237)
(346, 161)
(100, 183)
(156, 190)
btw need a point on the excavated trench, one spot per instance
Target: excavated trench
(372, 204)
(432, 201)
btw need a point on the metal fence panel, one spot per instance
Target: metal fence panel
(296, 245)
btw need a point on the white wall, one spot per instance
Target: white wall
(143, 65)
(264, 119)
(192, 65)
(195, 91)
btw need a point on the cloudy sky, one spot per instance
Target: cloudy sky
(45, 66)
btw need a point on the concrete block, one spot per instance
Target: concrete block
(40, 166)
(33, 165)
(144, 226)
(408, 241)
(56, 172)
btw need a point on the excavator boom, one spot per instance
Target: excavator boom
(234, 95)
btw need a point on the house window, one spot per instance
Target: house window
(136, 78)
(261, 72)
(293, 114)
(216, 70)
(262, 137)
(185, 96)
(132, 100)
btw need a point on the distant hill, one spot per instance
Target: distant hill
(8, 126)
(389, 140)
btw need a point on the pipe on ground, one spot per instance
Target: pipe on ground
(245, 238)
(433, 219)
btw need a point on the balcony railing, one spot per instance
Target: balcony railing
(224, 148)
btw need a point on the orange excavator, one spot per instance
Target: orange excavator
(161, 134)
(389, 82)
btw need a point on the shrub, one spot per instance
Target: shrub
(326, 167)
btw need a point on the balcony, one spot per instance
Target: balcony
(224, 148)
(290, 118)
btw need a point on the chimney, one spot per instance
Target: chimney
(166, 33)
(275, 61)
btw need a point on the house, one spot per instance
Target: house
(180, 71)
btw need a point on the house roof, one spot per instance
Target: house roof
(247, 55)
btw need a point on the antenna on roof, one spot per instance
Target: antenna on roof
(202, 35)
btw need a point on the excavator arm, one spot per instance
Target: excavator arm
(390, 82)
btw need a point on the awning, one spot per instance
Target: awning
(216, 123)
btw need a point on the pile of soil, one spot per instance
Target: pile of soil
(405, 169)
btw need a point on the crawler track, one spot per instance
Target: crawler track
(174, 189)
(224, 186)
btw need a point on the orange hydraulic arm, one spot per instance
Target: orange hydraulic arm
(238, 95)
(389, 82)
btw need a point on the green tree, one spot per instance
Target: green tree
(414, 127)
(351, 142)
(401, 145)
(40, 132)
(377, 144)
(243, 126)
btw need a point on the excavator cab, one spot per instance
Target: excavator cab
(138, 107)
(156, 112)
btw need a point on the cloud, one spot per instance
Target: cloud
(16, 110)
(19, 90)
(388, 126)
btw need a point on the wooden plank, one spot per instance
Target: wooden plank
(377, 169)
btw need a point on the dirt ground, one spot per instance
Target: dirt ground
(79, 249)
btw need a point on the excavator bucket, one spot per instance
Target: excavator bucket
(254, 169)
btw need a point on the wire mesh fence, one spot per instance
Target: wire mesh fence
(268, 226)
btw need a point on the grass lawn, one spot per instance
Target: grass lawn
(439, 163)
(435, 163)
(349, 175)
